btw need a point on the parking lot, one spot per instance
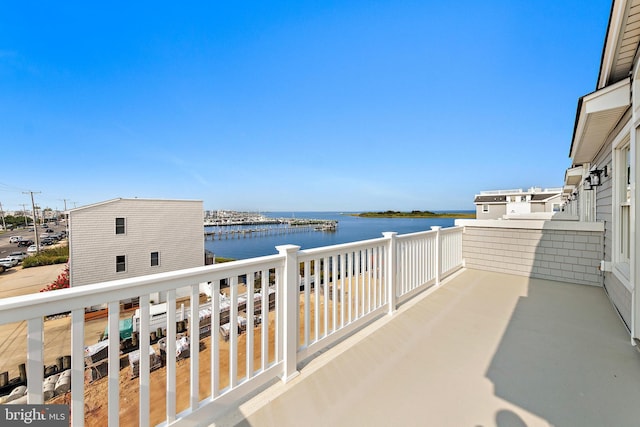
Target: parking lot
(8, 243)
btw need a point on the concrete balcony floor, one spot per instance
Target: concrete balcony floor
(485, 349)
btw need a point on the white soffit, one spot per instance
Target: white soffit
(599, 113)
(622, 41)
(573, 176)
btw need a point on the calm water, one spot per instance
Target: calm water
(350, 229)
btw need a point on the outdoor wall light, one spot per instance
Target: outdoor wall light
(595, 178)
(588, 185)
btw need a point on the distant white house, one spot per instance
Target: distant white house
(498, 204)
(125, 238)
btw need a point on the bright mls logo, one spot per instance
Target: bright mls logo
(34, 415)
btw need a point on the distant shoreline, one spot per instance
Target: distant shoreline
(415, 214)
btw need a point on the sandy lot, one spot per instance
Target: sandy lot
(58, 341)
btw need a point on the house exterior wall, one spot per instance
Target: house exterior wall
(618, 293)
(565, 251)
(516, 202)
(539, 207)
(173, 228)
(495, 211)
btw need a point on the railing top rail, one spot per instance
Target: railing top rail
(417, 234)
(454, 229)
(314, 252)
(14, 309)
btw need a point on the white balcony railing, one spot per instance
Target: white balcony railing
(304, 301)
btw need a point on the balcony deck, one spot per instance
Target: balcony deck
(484, 349)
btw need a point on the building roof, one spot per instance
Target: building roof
(490, 199)
(543, 197)
(119, 199)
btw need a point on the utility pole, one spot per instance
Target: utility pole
(66, 216)
(24, 215)
(35, 224)
(4, 224)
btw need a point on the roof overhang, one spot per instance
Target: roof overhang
(573, 176)
(598, 113)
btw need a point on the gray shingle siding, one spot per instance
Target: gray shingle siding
(571, 256)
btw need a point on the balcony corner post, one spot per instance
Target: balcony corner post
(438, 254)
(392, 298)
(289, 326)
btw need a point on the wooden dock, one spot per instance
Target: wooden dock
(292, 226)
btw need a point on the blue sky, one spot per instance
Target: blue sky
(291, 105)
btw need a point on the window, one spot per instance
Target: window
(121, 263)
(624, 176)
(621, 215)
(485, 208)
(155, 259)
(120, 227)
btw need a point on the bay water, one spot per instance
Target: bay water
(350, 229)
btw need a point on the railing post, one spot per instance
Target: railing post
(438, 254)
(289, 318)
(391, 270)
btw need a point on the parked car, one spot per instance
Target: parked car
(48, 230)
(47, 242)
(25, 242)
(18, 255)
(32, 249)
(8, 262)
(15, 239)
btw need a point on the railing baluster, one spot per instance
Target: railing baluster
(369, 272)
(249, 331)
(334, 292)
(343, 283)
(194, 346)
(35, 360)
(77, 367)
(351, 267)
(356, 262)
(143, 363)
(233, 332)
(316, 297)
(215, 338)
(325, 268)
(171, 356)
(114, 363)
(307, 302)
(264, 288)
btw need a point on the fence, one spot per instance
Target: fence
(321, 296)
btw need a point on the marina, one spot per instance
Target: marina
(236, 225)
(248, 241)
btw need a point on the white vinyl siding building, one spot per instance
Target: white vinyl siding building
(496, 204)
(125, 238)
